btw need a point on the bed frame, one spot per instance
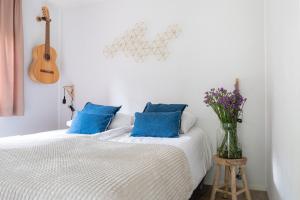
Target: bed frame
(199, 191)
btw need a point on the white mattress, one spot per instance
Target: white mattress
(195, 144)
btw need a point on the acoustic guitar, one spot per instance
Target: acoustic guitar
(43, 68)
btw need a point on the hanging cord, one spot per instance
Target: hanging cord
(64, 101)
(71, 106)
(238, 175)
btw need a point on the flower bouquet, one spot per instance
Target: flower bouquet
(228, 106)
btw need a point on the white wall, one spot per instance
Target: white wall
(283, 23)
(221, 40)
(41, 101)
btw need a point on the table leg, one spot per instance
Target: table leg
(245, 183)
(226, 177)
(216, 182)
(233, 183)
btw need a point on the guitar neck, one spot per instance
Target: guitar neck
(47, 38)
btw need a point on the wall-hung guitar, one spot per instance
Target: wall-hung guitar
(43, 68)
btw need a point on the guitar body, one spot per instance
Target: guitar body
(43, 68)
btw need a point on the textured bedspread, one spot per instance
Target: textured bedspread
(87, 168)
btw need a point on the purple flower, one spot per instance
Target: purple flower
(227, 105)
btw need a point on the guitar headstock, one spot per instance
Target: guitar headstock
(46, 15)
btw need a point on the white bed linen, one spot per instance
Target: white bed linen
(195, 144)
(20, 141)
(87, 168)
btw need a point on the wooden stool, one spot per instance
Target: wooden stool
(230, 173)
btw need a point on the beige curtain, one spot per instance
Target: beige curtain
(11, 58)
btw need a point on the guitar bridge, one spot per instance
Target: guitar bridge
(47, 71)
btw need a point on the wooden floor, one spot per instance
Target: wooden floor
(256, 195)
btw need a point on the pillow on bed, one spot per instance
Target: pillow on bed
(85, 123)
(164, 107)
(100, 109)
(120, 120)
(157, 124)
(69, 123)
(188, 120)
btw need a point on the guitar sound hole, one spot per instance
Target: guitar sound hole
(47, 57)
(47, 71)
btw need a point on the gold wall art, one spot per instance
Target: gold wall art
(134, 44)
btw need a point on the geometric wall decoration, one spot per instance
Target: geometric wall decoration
(133, 43)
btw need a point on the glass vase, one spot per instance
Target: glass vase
(228, 145)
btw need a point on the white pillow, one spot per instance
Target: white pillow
(69, 123)
(188, 120)
(120, 120)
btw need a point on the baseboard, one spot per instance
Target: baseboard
(258, 187)
(251, 187)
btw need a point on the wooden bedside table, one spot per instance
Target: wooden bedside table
(231, 165)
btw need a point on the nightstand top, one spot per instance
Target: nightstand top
(230, 162)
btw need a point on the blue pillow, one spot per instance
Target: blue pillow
(164, 107)
(160, 124)
(85, 123)
(100, 109)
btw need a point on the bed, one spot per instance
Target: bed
(110, 165)
(195, 144)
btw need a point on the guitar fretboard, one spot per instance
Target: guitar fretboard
(47, 39)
